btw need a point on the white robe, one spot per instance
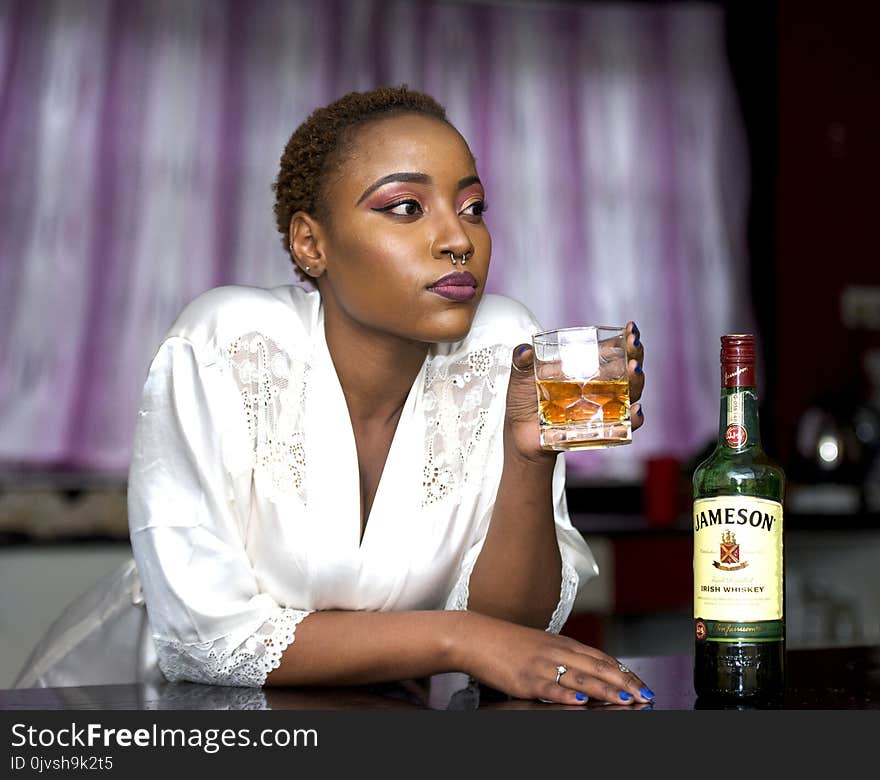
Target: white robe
(244, 495)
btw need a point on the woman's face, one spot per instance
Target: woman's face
(405, 196)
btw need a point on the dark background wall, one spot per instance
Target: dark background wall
(808, 74)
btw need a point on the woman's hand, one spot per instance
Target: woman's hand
(523, 662)
(635, 354)
(521, 421)
(521, 431)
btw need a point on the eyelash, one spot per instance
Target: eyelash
(477, 203)
(391, 206)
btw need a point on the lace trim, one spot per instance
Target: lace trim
(216, 663)
(567, 593)
(458, 599)
(458, 399)
(273, 392)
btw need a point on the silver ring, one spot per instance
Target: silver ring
(623, 668)
(560, 670)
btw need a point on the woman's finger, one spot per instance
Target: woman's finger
(554, 689)
(635, 353)
(634, 348)
(636, 416)
(523, 358)
(636, 377)
(606, 679)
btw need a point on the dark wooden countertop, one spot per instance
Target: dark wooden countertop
(832, 678)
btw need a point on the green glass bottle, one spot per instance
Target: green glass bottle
(739, 579)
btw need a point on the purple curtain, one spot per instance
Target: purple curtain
(138, 142)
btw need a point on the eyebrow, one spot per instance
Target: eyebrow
(420, 178)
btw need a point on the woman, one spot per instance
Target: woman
(345, 486)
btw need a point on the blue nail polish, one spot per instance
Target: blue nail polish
(522, 349)
(637, 342)
(624, 696)
(640, 412)
(639, 368)
(636, 329)
(581, 696)
(646, 692)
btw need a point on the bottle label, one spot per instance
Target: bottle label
(733, 631)
(738, 568)
(736, 434)
(738, 375)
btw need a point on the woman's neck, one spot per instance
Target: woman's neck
(376, 370)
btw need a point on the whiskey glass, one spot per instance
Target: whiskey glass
(583, 387)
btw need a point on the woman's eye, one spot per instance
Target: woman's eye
(403, 208)
(475, 209)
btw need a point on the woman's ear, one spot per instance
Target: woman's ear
(305, 244)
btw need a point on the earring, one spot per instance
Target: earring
(308, 267)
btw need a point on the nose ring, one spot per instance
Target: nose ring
(463, 258)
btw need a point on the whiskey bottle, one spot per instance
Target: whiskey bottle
(739, 585)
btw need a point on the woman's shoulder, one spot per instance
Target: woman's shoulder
(503, 320)
(221, 315)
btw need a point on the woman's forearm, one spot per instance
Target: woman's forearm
(518, 574)
(356, 648)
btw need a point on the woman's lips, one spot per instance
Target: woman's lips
(457, 286)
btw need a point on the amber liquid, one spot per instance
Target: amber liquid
(583, 415)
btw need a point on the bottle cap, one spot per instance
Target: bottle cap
(738, 360)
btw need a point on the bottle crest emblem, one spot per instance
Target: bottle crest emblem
(729, 554)
(736, 436)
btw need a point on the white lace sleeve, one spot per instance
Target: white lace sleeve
(212, 620)
(567, 592)
(458, 597)
(218, 663)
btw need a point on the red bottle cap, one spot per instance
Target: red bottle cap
(738, 360)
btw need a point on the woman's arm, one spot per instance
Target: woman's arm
(355, 648)
(518, 573)
(517, 576)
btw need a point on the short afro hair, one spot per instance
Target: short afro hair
(316, 145)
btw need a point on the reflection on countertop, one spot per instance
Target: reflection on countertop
(825, 678)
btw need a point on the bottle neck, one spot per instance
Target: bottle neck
(738, 429)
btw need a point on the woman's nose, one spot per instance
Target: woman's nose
(452, 240)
